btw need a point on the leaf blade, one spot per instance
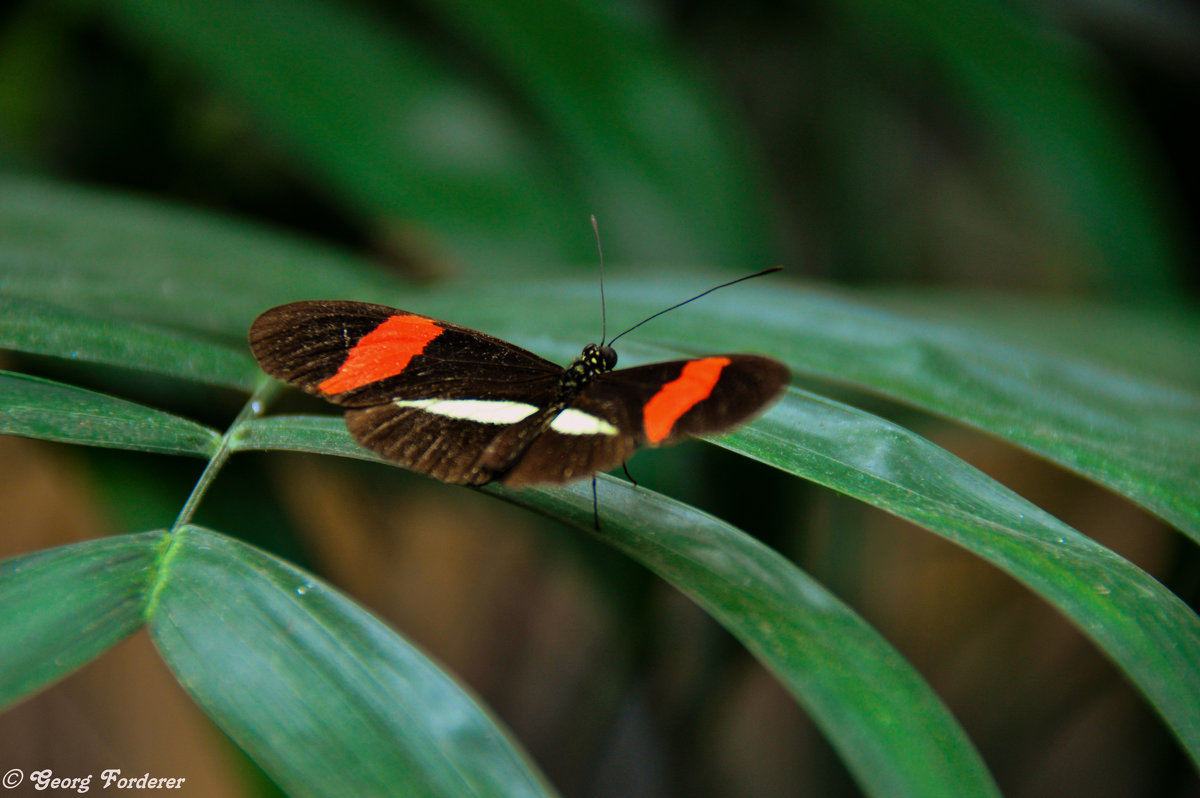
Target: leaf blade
(890, 729)
(1138, 624)
(1152, 635)
(36, 408)
(61, 607)
(322, 695)
(695, 552)
(38, 328)
(118, 256)
(1135, 435)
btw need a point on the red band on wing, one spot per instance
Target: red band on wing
(692, 386)
(384, 352)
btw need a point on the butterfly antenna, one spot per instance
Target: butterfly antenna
(603, 312)
(697, 296)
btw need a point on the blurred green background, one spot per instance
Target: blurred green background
(1031, 167)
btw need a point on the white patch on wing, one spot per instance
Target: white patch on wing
(481, 411)
(577, 422)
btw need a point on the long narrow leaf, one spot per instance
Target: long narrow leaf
(1143, 627)
(889, 727)
(29, 326)
(112, 255)
(322, 695)
(38, 408)
(61, 607)
(892, 731)
(1160, 342)
(1125, 431)
(1135, 435)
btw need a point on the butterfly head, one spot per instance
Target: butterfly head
(598, 358)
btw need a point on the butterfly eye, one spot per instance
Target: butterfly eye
(609, 356)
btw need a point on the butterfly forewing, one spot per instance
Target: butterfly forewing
(358, 354)
(438, 398)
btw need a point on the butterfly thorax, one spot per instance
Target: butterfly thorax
(596, 359)
(509, 445)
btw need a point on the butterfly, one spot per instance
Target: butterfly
(467, 408)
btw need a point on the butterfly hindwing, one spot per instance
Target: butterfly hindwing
(652, 405)
(445, 441)
(588, 436)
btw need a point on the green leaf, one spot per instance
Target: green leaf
(318, 434)
(61, 607)
(370, 112)
(27, 326)
(113, 256)
(637, 125)
(1156, 342)
(324, 697)
(889, 727)
(1143, 627)
(38, 408)
(426, 141)
(887, 724)
(1137, 436)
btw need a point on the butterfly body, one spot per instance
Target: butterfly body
(467, 408)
